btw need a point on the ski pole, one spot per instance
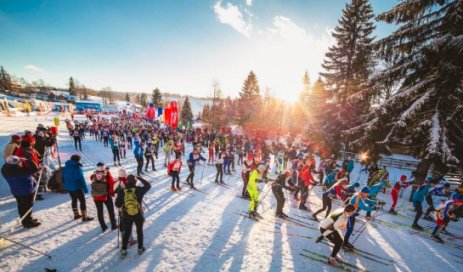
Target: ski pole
(119, 227)
(28, 247)
(365, 226)
(33, 201)
(270, 207)
(146, 206)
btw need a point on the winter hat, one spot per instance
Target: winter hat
(16, 138)
(122, 173)
(28, 138)
(13, 160)
(365, 190)
(403, 178)
(429, 179)
(356, 185)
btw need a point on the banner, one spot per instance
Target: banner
(167, 116)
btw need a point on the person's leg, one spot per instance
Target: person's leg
(112, 217)
(419, 212)
(328, 205)
(128, 221)
(217, 167)
(75, 142)
(139, 224)
(336, 239)
(430, 206)
(80, 143)
(147, 162)
(394, 197)
(324, 206)
(81, 197)
(304, 195)
(99, 212)
(349, 229)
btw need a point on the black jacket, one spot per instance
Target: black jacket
(139, 192)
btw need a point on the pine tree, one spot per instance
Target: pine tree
(72, 87)
(156, 98)
(427, 110)
(186, 115)
(206, 114)
(304, 96)
(144, 100)
(85, 93)
(5, 80)
(249, 101)
(127, 97)
(348, 66)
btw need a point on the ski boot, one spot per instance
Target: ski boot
(123, 253)
(417, 227)
(85, 217)
(428, 218)
(319, 239)
(314, 216)
(76, 214)
(258, 215)
(392, 212)
(141, 250)
(332, 261)
(178, 188)
(172, 188)
(437, 238)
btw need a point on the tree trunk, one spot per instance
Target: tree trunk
(420, 175)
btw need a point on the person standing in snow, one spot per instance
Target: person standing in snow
(418, 198)
(331, 226)
(138, 153)
(12, 146)
(77, 138)
(401, 183)
(307, 180)
(129, 201)
(102, 192)
(193, 159)
(173, 170)
(115, 148)
(219, 167)
(245, 173)
(74, 183)
(277, 189)
(253, 191)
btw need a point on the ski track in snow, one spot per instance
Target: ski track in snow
(202, 232)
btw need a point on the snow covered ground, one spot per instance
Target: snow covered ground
(193, 231)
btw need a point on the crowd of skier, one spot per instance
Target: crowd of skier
(285, 166)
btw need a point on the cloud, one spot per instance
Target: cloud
(249, 3)
(231, 15)
(34, 68)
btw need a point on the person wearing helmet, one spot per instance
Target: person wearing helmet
(253, 191)
(401, 183)
(418, 198)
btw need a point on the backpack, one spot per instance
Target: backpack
(99, 188)
(376, 177)
(131, 204)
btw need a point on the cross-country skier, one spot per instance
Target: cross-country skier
(253, 191)
(445, 213)
(193, 159)
(331, 226)
(418, 198)
(277, 190)
(337, 190)
(401, 183)
(438, 191)
(173, 169)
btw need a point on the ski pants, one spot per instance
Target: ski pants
(304, 195)
(139, 165)
(240, 159)
(245, 177)
(110, 207)
(175, 177)
(80, 196)
(430, 207)
(129, 221)
(419, 211)
(334, 238)
(219, 168)
(24, 205)
(116, 155)
(395, 197)
(77, 140)
(148, 160)
(211, 156)
(105, 141)
(350, 227)
(326, 200)
(280, 197)
(129, 142)
(254, 200)
(191, 176)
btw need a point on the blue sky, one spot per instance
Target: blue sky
(178, 46)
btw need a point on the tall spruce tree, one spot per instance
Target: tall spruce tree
(5, 80)
(305, 94)
(186, 115)
(427, 111)
(156, 98)
(127, 97)
(348, 65)
(143, 100)
(249, 101)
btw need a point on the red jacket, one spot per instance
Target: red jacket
(171, 165)
(28, 153)
(307, 177)
(110, 182)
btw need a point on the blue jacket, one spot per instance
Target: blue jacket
(113, 146)
(350, 166)
(19, 178)
(363, 204)
(139, 151)
(73, 177)
(330, 179)
(192, 161)
(421, 193)
(374, 190)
